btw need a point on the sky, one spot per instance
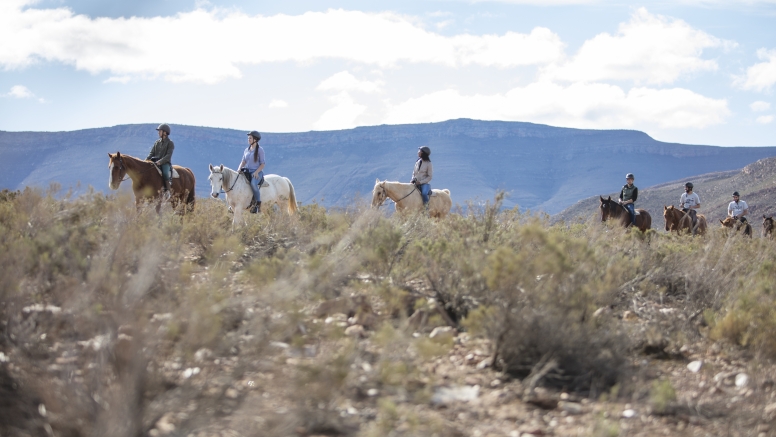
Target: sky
(688, 71)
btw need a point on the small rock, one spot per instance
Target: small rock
(372, 392)
(483, 364)
(232, 393)
(202, 354)
(570, 407)
(495, 383)
(695, 366)
(3, 358)
(355, 331)
(448, 395)
(165, 425)
(443, 333)
(602, 311)
(38, 308)
(742, 379)
(770, 408)
(42, 410)
(629, 316)
(191, 371)
(667, 310)
(629, 413)
(164, 317)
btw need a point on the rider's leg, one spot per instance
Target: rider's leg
(166, 175)
(256, 194)
(632, 211)
(425, 190)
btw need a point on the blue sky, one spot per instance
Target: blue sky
(700, 72)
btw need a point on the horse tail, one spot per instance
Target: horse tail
(291, 197)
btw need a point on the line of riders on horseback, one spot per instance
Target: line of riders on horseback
(156, 178)
(685, 217)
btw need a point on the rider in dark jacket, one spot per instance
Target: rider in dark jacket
(161, 154)
(628, 196)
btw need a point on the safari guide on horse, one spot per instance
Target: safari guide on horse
(422, 174)
(161, 155)
(689, 202)
(628, 196)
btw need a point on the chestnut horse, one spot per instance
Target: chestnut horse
(737, 226)
(147, 182)
(611, 209)
(678, 220)
(768, 227)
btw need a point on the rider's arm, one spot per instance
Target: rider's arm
(730, 210)
(242, 164)
(746, 211)
(167, 158)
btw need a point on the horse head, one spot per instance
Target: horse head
(670, 217)
(378, 194)
(728, 222)
(117, 170)
(768, 225)
(216, 179)
(606, 207)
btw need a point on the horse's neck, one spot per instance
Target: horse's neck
(229, 178)
(397, 190)
(134, 166)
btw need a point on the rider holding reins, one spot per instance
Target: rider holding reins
(738, 208)
(422, 173)
(628, 195)
(161, 154)
(253, 165)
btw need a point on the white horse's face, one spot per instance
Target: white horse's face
(216, 180)
(116, 171)
(378, 194)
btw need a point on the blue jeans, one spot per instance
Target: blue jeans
(632, 211)
(166, 171)
(255, 186)
(425, 190)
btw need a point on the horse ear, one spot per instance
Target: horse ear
(110, 156)
(222, 167)
(118, 154)
(610, 198)
(211, 167)
(602, 198)
(665, 208)
(720, 220)
(764, 216)
(377, 181)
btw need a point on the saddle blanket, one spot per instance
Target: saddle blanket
(175, 174)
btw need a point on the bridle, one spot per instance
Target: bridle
(222, 180)
(123, 168)
(382, 186)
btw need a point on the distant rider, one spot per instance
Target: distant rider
(253, 164)
(628, 196)
(161, 154)
(689, 202)
(738, 208)
(422, 173)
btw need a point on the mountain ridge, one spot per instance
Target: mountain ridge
(542, 167)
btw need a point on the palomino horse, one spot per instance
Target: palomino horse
(147, 182)
(737, 226)
(275, 190)
(768, 227)
(611, 209)
(678, 220)
(407, 198)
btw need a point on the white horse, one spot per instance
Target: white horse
(407, 198)
(275, 190)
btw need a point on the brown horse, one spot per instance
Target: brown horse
(147, 182)
(612, 209)
(768, 227)
(678, 220)
(737, 226)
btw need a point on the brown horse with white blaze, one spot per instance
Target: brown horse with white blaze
(611, 209)
(147, 183)
(738, 226)
(678, 220)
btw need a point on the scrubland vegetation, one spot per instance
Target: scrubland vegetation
(124, 322)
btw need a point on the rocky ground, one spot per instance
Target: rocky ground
(346, 366)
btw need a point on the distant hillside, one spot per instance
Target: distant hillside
(542, 167)
(756, 183)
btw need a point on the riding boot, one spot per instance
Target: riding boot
(166, 188)
(258, 206)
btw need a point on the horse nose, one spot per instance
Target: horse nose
(215, 195)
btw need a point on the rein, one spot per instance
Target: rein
(397, 201)
(222, 180)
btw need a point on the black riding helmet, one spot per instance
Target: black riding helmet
(425, 149)
(688, 185)
(630, 176)
(735, 194)
(255, 134)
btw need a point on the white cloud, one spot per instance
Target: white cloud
(277, 103)
(342, 116)
(760, 76)
(764, 119)
(344, 81)
(578, 105)
(210, 45)
(21, 92)
(760, 106)
(648, 49)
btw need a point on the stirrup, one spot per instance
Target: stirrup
(166, 195)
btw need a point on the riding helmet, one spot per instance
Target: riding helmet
(630, 176)
(164, 127)
(735, 193)
(425, 149)
(688, 185)
(255, 134)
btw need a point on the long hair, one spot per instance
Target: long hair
(256, 152)
(424, 156)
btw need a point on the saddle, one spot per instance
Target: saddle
(249, 178)
(175, 174)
